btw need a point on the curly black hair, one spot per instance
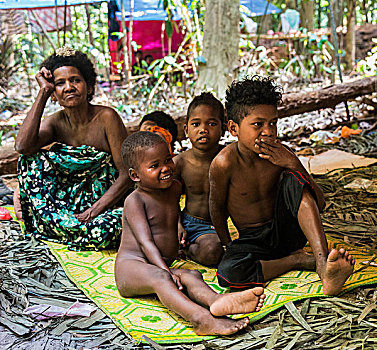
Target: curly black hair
(207, 99)
(162, 120)
(243, 95)
(134, 145)
(79, 60)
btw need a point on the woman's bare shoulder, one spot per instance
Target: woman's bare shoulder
(106, 112)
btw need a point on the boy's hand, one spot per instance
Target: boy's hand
(177, 281)
(275, 152)
(182, 237)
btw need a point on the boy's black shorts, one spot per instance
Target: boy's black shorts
(240, 266)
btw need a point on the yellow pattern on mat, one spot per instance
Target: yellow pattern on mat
(93, 273)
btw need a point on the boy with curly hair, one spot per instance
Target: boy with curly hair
(204, 127)
(272, 200)
(149, 245)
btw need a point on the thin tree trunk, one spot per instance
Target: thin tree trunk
(87, 11)
(130, 31)
(319, 13)
(350, 35)
(307, 14)
(126, 70)
(57, 22)
(40, 23)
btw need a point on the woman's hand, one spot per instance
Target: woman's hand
(45, 80)
(87, 216)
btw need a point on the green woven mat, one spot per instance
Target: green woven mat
(93, 273)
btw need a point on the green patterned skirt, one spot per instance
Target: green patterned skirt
(55, 184)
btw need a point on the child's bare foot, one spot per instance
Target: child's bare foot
(250, 300)
(338, 268)
(305, 261)
(219, 326)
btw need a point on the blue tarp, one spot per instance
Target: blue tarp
(148, 10)
(31, 4)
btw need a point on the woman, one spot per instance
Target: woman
(68, 192)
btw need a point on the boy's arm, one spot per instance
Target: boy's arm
(218, 182)
(182, 234)
(135, 214)
(281, 155)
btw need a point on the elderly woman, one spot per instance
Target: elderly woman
(68, 192)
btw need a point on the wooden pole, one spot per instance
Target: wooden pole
(337, 53)
(65, 21)
(43, 29)
(130, 31)
(87, 11)
(124, 44)
(57, 22)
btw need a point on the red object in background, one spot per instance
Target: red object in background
(147, 35)
(4, 214)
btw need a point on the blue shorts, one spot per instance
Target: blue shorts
(196, 227)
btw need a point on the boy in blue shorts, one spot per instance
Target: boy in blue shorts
(204, 127)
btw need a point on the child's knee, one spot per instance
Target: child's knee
(212, 251)
(160, 276)
(185, 273)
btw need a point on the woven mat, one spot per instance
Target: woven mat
(93, 273)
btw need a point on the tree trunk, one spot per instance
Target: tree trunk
(338, 9)
(307, 14)
(328, 97)
(220, 45)
(350, 35)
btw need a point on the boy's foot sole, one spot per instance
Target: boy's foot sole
(244, 302)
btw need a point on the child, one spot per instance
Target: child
(149, 245)
(204, 125)
(162, 124)
(272, 200)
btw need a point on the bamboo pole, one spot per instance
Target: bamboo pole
(57, 22)
(43, 29)
(87, 11)
(65, 21)
(130, 32)
(126, 69)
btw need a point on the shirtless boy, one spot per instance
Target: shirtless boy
(205, 118)
(272, 200)
(149, 245)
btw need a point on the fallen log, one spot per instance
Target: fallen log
(8, 159)
(328, 97)
(301, 102)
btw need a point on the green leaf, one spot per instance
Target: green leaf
(169, 29)
(297, 316)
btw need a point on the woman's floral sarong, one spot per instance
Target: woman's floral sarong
(55, 184)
